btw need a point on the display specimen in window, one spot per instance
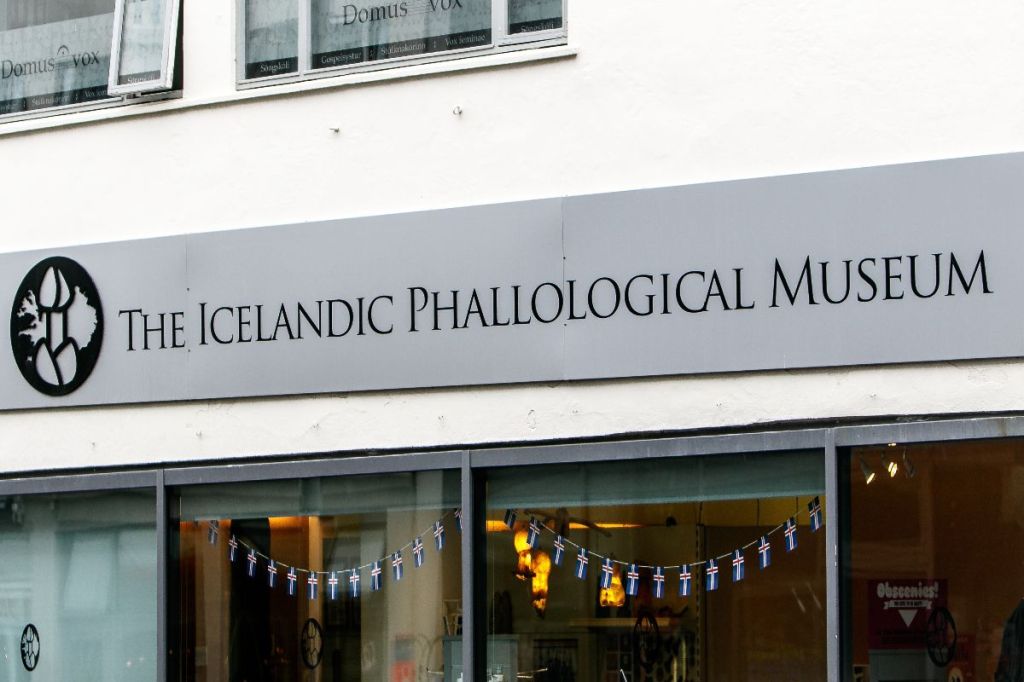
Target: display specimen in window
(936, 554)
(81, 571)
(53, 52)
(354, 578)
(527, 16)
(651, 605)
(352, 31)
(271, 38)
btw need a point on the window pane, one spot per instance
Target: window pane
(82, 570)
(53, 52)
(525, 16)
(236, 627)
(271, 37)
(352, 31)
(142, 41)
(546, 624)
(936, 555)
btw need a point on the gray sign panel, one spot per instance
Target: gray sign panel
(880, 265)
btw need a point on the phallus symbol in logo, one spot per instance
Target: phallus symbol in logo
(30, 647)
(57, 326)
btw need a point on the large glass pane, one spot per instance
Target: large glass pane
(247, 554)
(658, 523)
(143, 34)
(78, 591)
(53, 52)
(271, 37)
(352, 31)
(527, 16)
(936, 551)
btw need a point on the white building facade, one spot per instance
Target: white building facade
(221, 511)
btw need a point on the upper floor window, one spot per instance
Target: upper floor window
(67, 53)
(303, 38)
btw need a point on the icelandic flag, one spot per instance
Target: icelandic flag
(533, 534)
(458, 519)
(272, 574)
(211, 534)
(559, 550)
(739, 570)
(581, 564)
(396, 564)
(510, 517)
(632, 581)
(292, 577)
(712, 575)
(353, 583)
(764, 553)
(814, 507)
(252, 563)
(790, 534)
(685, 581)
(606, 573)
(375, 577)
(417, 552)
(439, 535)
(232, 548)
(311, 583)
(659, 582)
(332, 584)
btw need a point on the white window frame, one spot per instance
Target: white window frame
(170, 43)
(501, 41)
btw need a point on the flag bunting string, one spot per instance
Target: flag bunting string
(240, 550)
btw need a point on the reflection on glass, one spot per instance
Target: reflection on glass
(271, 38)
(54, 53)
(547, 625)
(352, 31)
(527, 16)
(935, 555)
(142, 41)
(82, 570)
(235, 627)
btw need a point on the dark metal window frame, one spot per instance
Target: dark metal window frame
(472, 464)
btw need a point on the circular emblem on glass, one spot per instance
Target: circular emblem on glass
(30, 647)
(56, 326)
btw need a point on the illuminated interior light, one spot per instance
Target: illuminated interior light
(524, 567)
(614, 595)
(869, 475)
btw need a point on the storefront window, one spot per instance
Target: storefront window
(936, 550)
(657, 521)
(341, 34)
(53, 53)
(267, 579)
(347, 33)
(78, 588)
(271, 38)
(527, 16)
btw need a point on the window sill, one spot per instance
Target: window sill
(400, 72)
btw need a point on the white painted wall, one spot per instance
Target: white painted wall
(660, 93)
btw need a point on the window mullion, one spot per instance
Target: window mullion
(305, 35)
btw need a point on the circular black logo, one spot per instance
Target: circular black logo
(30, 647)
(312, 643)
(56, 326)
